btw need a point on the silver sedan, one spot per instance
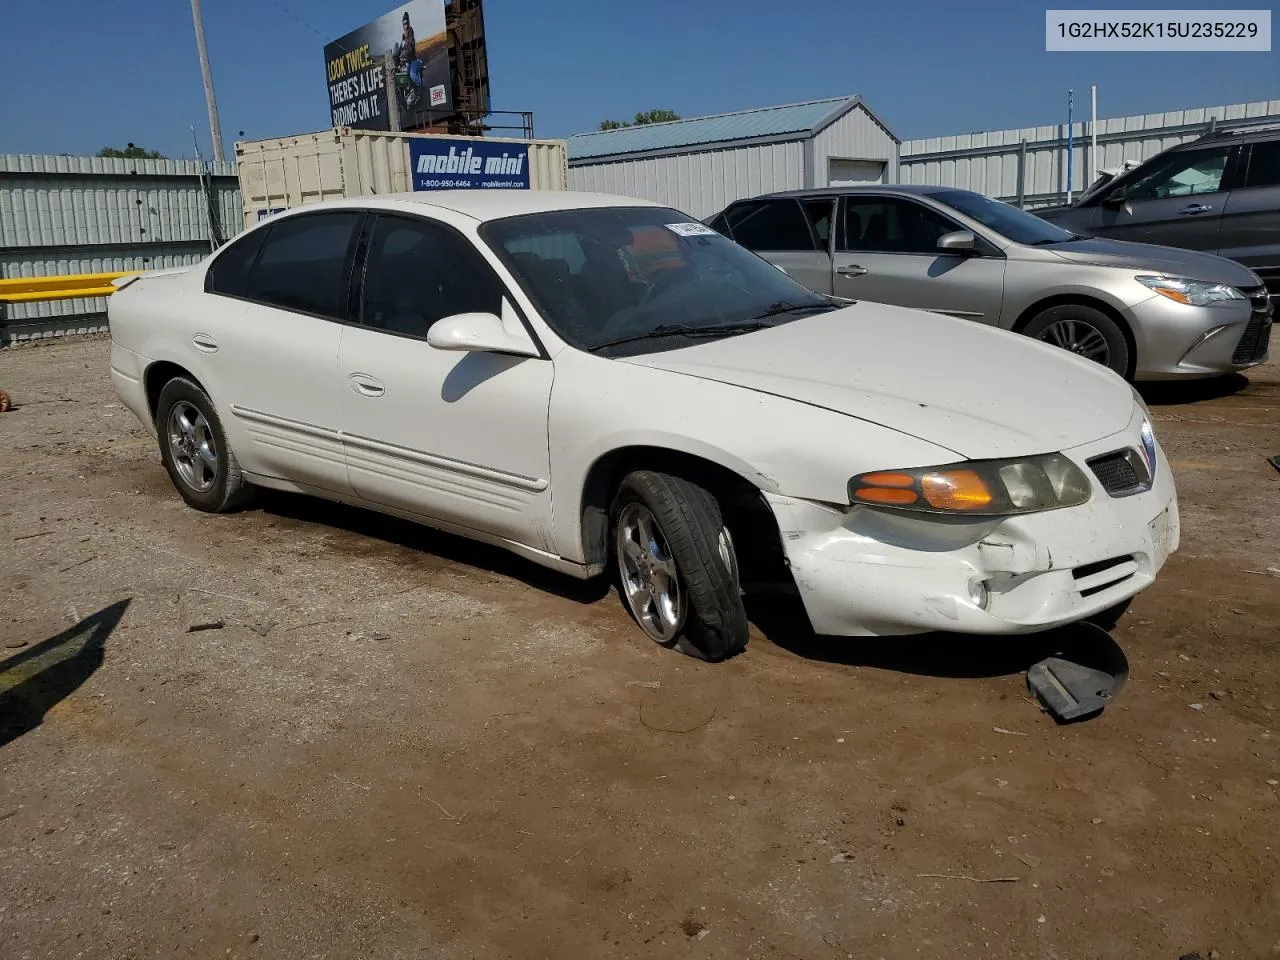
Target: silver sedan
(1147, 312)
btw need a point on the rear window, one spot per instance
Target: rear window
(303, 264)
(230, 269)
(770, 225)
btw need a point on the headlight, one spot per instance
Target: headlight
(1149, 446)
(1194, 293)
(984, 488)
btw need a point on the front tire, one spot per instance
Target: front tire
(194, 449)
(1085, 331)
(677, 570)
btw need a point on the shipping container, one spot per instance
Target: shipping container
(289, 172)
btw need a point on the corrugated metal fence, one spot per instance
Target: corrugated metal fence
(69, 215)
(998, 164)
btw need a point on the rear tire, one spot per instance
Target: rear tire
(678, 573)
(194, 449)
(1085, 331)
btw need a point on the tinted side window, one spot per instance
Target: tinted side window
(1264, 165)
(721, 225)
(420, 272)
(230, 268)
(770, 225)
(818, 213)
(303, 264)
(891, 225)
(1182, 175)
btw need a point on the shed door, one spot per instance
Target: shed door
(843, 173)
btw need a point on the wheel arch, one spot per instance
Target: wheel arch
(741, 499)
(158, 374)
(1083, 300)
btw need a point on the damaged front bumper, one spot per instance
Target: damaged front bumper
(864, 571)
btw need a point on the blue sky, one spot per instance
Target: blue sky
(79, 74)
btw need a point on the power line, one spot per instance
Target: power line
(286, 10)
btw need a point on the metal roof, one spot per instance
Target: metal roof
(801, 119)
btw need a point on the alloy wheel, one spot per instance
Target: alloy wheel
(192, 447)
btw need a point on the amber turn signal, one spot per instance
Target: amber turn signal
(955, 490)
(888, 495)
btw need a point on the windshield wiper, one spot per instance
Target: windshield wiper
(781, 307)
(682, 330)
(1049, 241)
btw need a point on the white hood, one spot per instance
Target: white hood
(976, 390)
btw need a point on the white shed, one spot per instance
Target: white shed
(702, 164)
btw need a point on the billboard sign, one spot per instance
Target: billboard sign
(361, 93)
(440, 164)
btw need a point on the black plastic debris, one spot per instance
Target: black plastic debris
(1274, 461)
(1082, 677)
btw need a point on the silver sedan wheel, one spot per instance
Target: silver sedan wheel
(1080, 337)
(192, 447)
(650, 580)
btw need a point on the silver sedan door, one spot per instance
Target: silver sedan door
(887, 251)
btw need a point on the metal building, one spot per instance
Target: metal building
(702, 164)
(1029, 166)
(73, 215)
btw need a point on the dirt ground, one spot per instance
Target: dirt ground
(403, 745)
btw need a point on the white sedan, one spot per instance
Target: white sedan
(603, 384)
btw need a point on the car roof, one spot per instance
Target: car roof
(483, 205)
(1258, 133)
(917, 189)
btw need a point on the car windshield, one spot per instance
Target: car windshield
(1008, 221)
(648, 278)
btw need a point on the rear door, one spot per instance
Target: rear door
(780, 231)
(275, 346)
(1251, 217)
(887, 252)
(1177, 203)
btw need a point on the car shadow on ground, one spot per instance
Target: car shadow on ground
(783, 623)
(1170, 393)
(35, 679)
(434, 543)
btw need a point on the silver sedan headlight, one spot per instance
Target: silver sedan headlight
(1193, 293)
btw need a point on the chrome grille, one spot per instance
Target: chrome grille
(1259, 299)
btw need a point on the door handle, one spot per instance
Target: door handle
(366, 385)
(853, 270)
(203, 341)
(1195, 208)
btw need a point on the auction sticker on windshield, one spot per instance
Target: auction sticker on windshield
(691, 230)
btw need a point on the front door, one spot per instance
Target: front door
(1251, 219)
(456, 437)
(887, 252)
(1178, 203)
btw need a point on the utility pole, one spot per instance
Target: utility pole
(1093, 135)
(215, 128)
(1070, 104)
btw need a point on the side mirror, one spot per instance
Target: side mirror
(1116, 198)
(958, 241)
(480, 333)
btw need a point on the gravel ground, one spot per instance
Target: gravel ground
(399, 744)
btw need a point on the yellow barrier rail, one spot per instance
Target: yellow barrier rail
(31, 289)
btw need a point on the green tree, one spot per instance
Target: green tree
(131, 152)
(656, 116)
(641, 119)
